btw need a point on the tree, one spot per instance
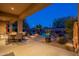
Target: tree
(67, 23)
(59, 23)
(14, 26)
(64, 22)
(69, 26)
(26, 27)
(38, 28)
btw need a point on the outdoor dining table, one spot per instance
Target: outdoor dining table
(12, 37)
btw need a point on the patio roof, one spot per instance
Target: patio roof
(13, 11)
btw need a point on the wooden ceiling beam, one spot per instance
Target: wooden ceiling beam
(8, 14)
(32, 9)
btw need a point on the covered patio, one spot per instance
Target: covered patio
(16, 42)
(10, 13)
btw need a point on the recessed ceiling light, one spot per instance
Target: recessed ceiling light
(12, 8)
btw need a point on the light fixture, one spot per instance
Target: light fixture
(12, 8)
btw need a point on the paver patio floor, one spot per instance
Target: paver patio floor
(33, 48)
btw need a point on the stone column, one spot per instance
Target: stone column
(78, 22)
(78, 13)
(20, 26)
(10, 27)
(75, 35)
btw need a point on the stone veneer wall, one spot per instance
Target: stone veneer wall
(2, 27)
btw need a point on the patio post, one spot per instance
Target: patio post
(20, 26)
(78, 13)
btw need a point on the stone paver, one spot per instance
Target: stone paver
(33, 48)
